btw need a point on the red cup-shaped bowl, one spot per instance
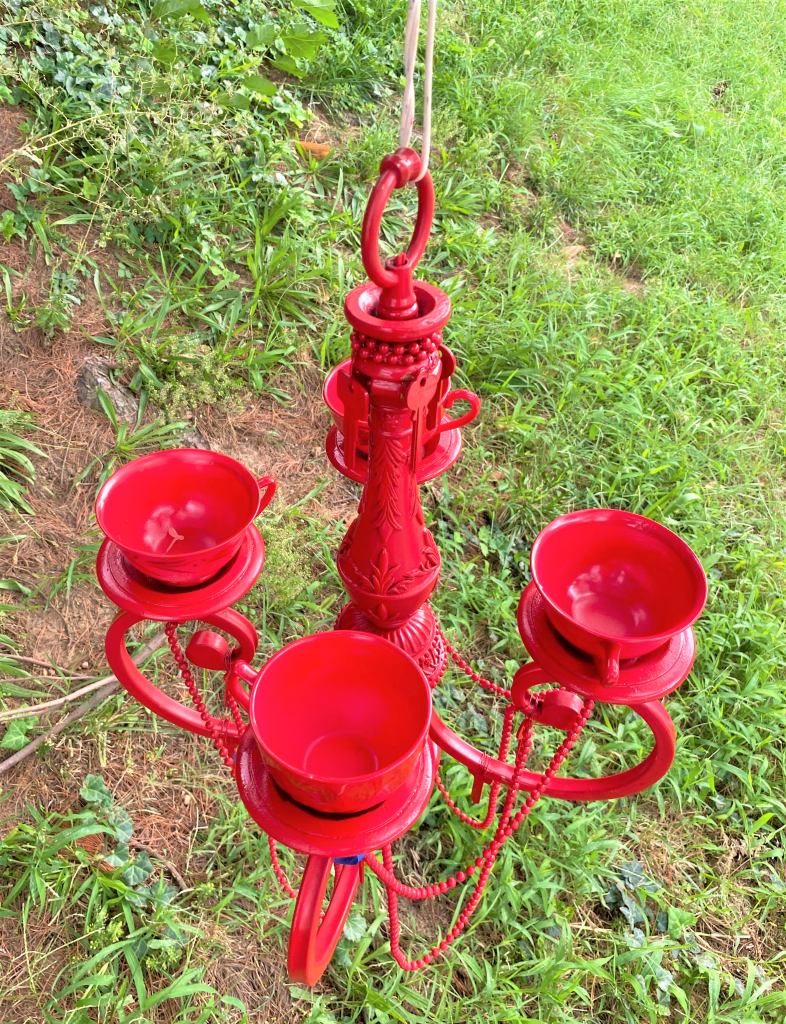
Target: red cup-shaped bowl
(616, 585)
(335, 404)
(340, 719)
(179, 516)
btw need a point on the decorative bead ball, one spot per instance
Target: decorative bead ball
(394, 354)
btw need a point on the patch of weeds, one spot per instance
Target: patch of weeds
(288, 561)
(80, 866)
(17, 471)
(184, 371)
(131, 440)
(55, 314)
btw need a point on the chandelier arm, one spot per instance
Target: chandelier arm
(311, 944)
(608, 787)
(147, 693)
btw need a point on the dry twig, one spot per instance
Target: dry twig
(137, 844)
(110, 685)
(48, 705)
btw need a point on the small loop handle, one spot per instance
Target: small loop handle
(460, 395)
(267, 485)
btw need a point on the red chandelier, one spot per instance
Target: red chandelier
(334, 742)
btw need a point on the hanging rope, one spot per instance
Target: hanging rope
(408, 100)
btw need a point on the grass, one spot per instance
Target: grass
(643, 371)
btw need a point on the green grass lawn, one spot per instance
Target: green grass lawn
(611, 181)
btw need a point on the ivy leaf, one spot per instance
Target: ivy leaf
(137, 897)
(634, 939)
(262, 36)
(632, 875)
(355, 927)
(120, 857)
(706, 961)
(343, 953)
(94, 791)
(179, 9)
(138, 871)
(16, 734)
(679, 920)
(120, 821)
(173, 938)
(163, 894)
(258, 84)
(322, 11)
(630, 910)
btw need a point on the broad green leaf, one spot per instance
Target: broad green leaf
(320, 10)
(289, 65)
(164, 54)
(260, 85)
(235, 102)
(302, 43)
(16, 734)
(94, 791)
(179, 9)
(262, 36)
(355, 927)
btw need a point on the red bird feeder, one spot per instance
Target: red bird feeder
(334, 742)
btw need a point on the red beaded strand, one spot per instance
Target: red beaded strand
(283, 881)
(214, 725)
(491, 813)
(507, 826)
(468, 670)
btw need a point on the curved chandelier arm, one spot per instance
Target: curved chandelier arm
(148, 693)
(311, 944)
(608, 787)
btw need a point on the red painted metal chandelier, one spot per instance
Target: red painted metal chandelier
(334, 742)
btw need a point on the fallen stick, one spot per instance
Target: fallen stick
(137, 844)
(47, 679)
(34, 661)
(39, 709)
(110, 685)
